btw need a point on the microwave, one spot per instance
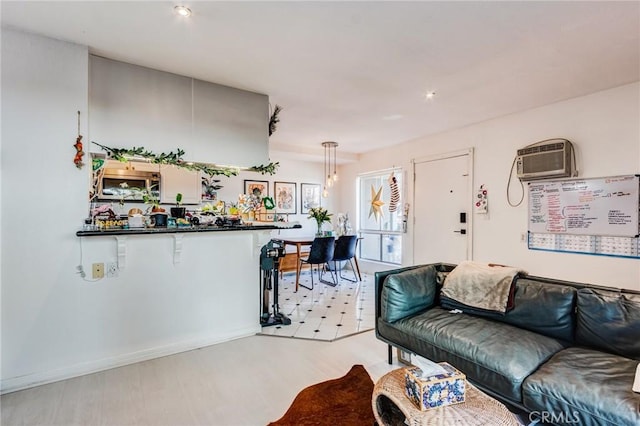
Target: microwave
(118, 184)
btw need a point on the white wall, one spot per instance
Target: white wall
(55, 324)
(44, 84)
(605, 128)
(134, 105)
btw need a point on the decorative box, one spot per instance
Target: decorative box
(435, 391)
(136, 221)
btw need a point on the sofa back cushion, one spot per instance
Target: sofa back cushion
(545, 308)
(539, 306)
(408, 293)
(610, 321)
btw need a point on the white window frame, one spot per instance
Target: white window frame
(360, 203)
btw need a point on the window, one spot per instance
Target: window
(382, 238)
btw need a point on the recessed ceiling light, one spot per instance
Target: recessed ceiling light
(182, 11)
(430, 95)
(393, 117)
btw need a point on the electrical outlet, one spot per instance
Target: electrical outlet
(97, 270)
(112, 269)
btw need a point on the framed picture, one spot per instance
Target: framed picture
(309, 196)
(285, 197)
(256, 187)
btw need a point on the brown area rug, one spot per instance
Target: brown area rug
(345, 401)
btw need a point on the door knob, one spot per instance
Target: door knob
(462, 231)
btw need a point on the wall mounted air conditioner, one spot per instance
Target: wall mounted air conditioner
(545, 160)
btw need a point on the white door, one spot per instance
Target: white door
(442, 227)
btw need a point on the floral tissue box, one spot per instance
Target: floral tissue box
(435, 391)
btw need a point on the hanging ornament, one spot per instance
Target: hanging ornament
(376, 203)
(395, 193)
(77, 160)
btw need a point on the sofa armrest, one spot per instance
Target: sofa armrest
(378, 279)
(405, 291)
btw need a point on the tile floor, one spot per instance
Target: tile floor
(325, 313)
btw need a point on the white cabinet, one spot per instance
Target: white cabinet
(140, 166)
(174, 180)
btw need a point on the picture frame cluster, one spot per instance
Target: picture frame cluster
(285, 195)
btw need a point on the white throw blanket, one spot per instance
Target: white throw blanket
(481, 285)
(636, 382)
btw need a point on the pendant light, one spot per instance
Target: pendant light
(328, 146)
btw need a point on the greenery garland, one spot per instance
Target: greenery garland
(175, 159)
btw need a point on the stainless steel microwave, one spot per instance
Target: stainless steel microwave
(117, 184)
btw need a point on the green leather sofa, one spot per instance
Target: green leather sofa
(566, 353)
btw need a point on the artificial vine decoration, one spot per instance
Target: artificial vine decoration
(175, 159)
(274, 119)
(264, 169)
(77, 160)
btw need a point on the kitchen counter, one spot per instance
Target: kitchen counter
(202, 281)
(262, 226)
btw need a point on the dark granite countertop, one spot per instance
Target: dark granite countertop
(185, 229)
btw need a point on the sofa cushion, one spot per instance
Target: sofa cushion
(496, 355)
(538, 306)
(408, 293)
(544, 308)
(586, 387)
(610, 321)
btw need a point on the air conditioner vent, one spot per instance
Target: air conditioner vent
(542, 148)
(545, 160)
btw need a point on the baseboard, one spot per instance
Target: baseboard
(14, 384)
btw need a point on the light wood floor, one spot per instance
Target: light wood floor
(249, 381)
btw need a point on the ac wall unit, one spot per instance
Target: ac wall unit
(545, 160)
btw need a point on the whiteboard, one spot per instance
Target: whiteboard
(586, 244)
(596, 206)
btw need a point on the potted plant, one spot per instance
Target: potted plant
(320, 215)
(178, 211)
(157, 212)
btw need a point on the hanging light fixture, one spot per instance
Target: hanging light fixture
(328, 146)
(335, 171)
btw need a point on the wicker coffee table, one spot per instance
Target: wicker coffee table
(392, 407)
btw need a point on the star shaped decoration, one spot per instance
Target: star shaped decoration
(376, 203)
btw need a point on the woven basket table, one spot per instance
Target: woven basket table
(392, 407)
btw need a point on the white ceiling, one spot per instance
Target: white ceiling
(357, 72)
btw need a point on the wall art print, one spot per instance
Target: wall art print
(309, 196)
(285, 197)
(259, 188)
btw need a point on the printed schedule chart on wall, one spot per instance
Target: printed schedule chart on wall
(592, 216)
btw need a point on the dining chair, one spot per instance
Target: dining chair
(320, 253)
(345, 249)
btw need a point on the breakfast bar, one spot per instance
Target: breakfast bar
(199, 283)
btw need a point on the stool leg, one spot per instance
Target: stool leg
(390, 355)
